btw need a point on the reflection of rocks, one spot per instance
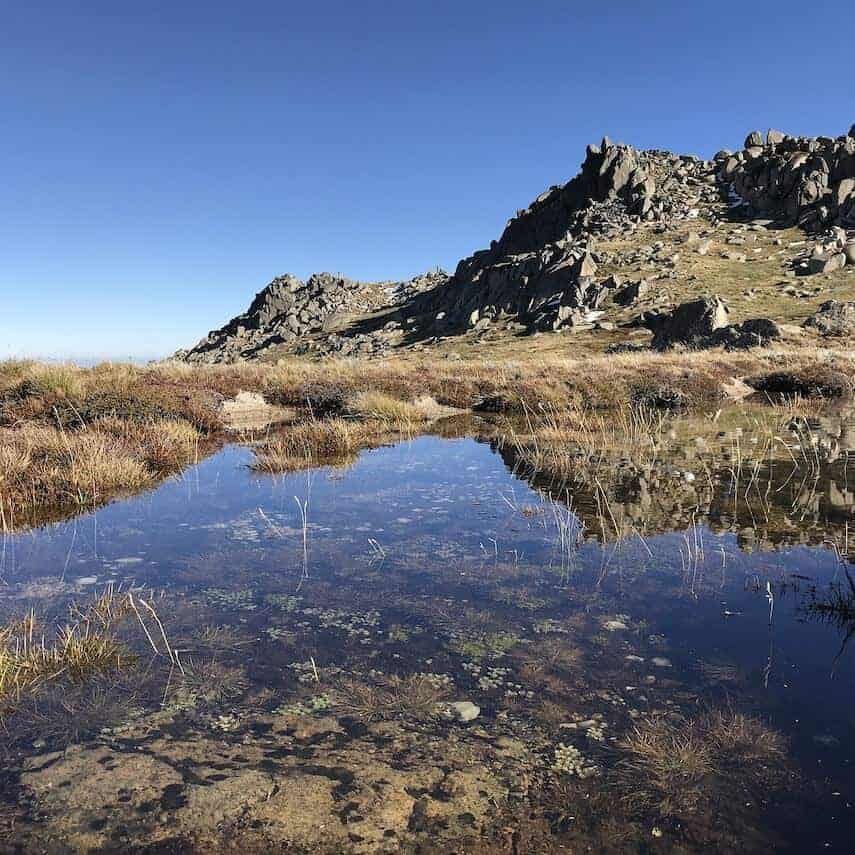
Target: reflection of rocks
(771, 504)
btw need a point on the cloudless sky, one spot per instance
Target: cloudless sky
(160, 162)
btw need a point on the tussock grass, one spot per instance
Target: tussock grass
(738, 737)
(85, 645)
(669, 766)
(393, 412)
(43, 466)
(314, 443)
(676, 766)
(413, 697)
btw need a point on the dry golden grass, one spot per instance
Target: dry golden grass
(313, 443)
(44, 466)
(399, 415)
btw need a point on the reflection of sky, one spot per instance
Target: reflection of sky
(428, 511)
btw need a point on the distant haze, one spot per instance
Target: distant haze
(161, 162)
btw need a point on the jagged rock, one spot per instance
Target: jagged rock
(288, 309)
(544, 260)
(795, 179)
(849, 252)
(833, 318)
(690, 323)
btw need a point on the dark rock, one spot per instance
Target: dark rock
(816, 382)
(756, 332)
(826, 263)
(690, 323)
(632, 293)
(753, 140)
(833, 318)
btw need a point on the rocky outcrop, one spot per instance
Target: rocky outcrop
(288, 309)
(705, 323)
(543, 269)
(798, 180)
(552, 268)
(833, 319)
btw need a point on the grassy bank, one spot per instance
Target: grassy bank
(75, 437)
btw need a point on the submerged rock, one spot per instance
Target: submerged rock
(465, 710)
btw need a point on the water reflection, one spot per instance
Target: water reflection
(331, 626)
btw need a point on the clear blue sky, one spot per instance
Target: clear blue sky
(160, 162)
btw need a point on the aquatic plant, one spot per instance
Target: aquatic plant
(221, 638)
(740, 738)
(84, 645)
(76, 713)
(307, 706)
(31, 655)
(208, 682)
(666, 767)
(569, 760)
(415, 697)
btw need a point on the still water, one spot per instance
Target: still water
(426, 650)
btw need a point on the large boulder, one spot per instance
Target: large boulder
(755, 332)
(826, 262)
(833, 318)
(690, 323)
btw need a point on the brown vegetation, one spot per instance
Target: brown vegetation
(415, 697)
(73, 437)
(673, 766)
(84, 645)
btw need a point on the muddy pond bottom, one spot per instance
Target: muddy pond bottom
(424, 652)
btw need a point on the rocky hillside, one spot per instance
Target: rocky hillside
(288, 311)
(762, 239)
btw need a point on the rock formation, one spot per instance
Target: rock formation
(800, 180)
(289, 309)
(542, 270)
(549, 269)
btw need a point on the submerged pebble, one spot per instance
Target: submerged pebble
(465, 711)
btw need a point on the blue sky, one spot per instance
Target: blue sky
(160, 162)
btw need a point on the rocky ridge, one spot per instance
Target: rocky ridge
(289, 309)
(560, 264)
